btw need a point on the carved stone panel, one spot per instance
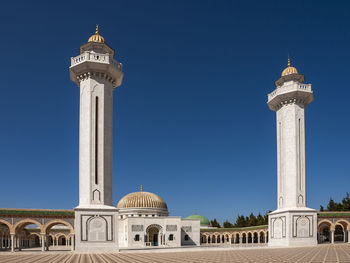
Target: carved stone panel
(97, 229)
(278, 227)
(302, 226)
(171, 227)
(137, 228)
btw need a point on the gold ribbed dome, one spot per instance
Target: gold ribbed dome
(289, 70)
(97, 37)
(142, 200)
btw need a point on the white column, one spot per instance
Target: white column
(42, 242)
(332, 236)
(348, 236)
(72, 243)
(12, 242)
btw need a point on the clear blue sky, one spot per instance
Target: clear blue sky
(191, 122)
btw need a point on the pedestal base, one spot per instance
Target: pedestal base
(293, 227)
(96, 229)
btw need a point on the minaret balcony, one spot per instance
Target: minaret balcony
(95, 57)
(295, 92)
(91, 62)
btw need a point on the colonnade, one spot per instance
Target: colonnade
(15, 237)
(329, 231)
(228, 238)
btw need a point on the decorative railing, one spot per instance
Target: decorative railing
(95, 57)
(283, 89)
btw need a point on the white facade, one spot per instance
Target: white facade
(141, 232)
(292, 224)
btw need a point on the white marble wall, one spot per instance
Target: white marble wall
(92, 191)
(131, 226)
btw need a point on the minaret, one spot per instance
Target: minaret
(292, 224)
(97, 74)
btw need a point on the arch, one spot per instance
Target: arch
(255, 237)
(262, 237)
(250, 237)
(6, 223)
(344, 223)
(24, 222)
(332, 226)
(62, 240)
(244, 238)
(154, 234)
(46, 228)
(154, 225)
(237, 238)
(339, 233)
(34, 234)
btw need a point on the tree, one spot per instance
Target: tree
(346, 203)
(332, 206)
(215, 223)
(252, 221)
(227, 224)
(240, 221)
(260, 220)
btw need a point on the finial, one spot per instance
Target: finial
(97, 31)
(288, 61)
(195, 212)
(141, 188)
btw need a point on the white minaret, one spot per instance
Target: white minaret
(292, 224)
(96, 73)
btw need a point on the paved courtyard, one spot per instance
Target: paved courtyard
(321, 253)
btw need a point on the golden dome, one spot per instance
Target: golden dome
(289, 70)
(142, 200)
(97, 37)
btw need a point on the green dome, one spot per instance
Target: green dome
(204, 221)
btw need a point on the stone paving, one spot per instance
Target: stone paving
(321, 253)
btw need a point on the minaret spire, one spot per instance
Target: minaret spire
(292, 224)
(97, 30)
(97, 78)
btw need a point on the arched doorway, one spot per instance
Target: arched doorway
(62, 241)
(339, 233)
(255, 237)
(154, 235)
(250, 238)
(23, 230)
(262, 237)
(5, 239)
(237, 239)
(324, 233)
(244, 238)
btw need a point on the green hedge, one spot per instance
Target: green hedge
(37, 212)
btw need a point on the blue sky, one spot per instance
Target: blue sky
(190, 121)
